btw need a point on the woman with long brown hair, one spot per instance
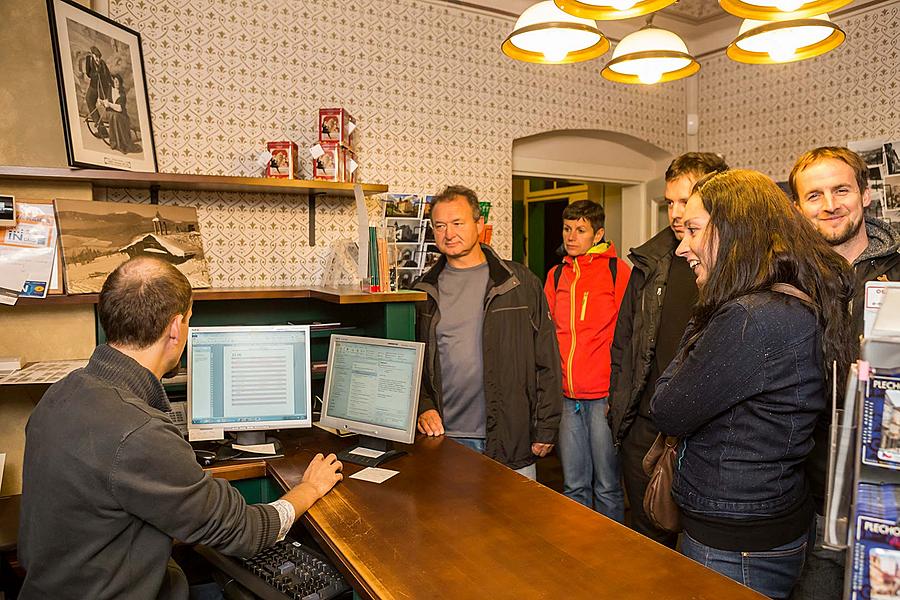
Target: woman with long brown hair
(752, 377)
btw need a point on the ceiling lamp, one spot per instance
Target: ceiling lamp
(778, 10)
(650, 55)
(769, 42)
(544, 34)
(608, 10)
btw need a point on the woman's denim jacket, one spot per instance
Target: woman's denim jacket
(744, 401)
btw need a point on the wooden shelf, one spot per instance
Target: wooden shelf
(178, 181)
(339, 295)
(154, 182)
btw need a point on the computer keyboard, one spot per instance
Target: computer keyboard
(288, 569)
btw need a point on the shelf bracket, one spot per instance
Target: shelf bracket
(154, 194)
(313, 196)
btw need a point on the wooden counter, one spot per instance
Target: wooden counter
(454, 524)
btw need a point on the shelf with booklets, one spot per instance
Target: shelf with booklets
(155, 182)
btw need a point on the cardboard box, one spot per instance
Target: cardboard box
(283, 164)
(337, 125)
(337, 163)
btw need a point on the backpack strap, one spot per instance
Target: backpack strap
(613, 270)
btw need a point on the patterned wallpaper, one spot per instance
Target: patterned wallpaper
(765, 116)
(695, 9)
(436, 100)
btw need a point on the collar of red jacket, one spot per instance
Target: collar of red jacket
(602, 249)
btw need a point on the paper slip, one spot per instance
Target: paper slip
(12, 280)
(2, 464)
(367, 452)
(374, 474)
(200, 435)
(256, 448)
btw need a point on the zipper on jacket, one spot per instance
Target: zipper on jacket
(572, 313)
(584, 305)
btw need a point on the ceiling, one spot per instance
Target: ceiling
(695, 11)
(705, 27)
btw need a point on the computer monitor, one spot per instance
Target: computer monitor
(372, 388)
(248, 380)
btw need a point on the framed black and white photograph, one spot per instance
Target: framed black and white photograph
(102, 90)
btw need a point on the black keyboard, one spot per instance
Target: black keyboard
(288, 569)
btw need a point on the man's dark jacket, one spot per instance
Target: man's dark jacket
(634, 343)
(879, 261)
(108, 482)
(522, 379)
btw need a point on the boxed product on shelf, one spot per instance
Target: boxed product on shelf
(337, 125)
(880, 434)
(333, 162)
(283, 163)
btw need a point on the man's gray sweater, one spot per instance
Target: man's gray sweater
(108, 483)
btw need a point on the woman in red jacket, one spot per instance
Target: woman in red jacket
(584, 294)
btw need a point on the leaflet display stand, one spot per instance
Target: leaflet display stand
(863, 510)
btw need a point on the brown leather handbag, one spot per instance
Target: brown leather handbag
(659, 465)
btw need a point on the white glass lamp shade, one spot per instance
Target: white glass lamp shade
(609, 10)
(769, 42)
(779, 10)
(650, 55)
(545, 34)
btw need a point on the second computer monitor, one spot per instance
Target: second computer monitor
(372, 387)
(249, 379)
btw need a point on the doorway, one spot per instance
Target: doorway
(538, 205)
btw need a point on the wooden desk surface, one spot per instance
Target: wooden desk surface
(454, 524)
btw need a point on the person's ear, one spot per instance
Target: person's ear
(174, 328)
(479, 224)
(598, 235)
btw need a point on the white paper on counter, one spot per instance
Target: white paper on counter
(256, 448)
(374, 474)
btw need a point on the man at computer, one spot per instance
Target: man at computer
(108, 480)
(492, 369)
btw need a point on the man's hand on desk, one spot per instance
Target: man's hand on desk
(539, 449)
(430, 423)
(320, 476)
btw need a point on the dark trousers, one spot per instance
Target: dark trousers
(634, 447)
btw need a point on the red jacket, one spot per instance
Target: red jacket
(584, 306)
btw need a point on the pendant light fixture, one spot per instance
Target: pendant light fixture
(544, 34)
(650, 55)
(609, 10)
(779, 10)
(770, 42)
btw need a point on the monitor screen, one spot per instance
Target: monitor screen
(372, 387)
(249, 378)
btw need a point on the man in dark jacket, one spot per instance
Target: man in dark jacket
(492, 370)
(655, 310)
(108, 480)
(831, 189)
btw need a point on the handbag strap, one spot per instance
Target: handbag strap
(786, 288)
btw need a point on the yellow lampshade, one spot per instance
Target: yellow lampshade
(779, 10)
(650, 55)
(610, 10)
(544, 34)
(769, 42)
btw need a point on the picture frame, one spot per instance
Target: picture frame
(102, 90)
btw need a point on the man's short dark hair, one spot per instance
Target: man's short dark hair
(139, 300)
(697, 164)
(452, 192)
(845, 155)
(591, 212)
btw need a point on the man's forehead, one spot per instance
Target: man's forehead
(825, 169)
(680, 187)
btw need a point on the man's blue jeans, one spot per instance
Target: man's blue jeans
(591, 472)
(477, 444)
(772, 572)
